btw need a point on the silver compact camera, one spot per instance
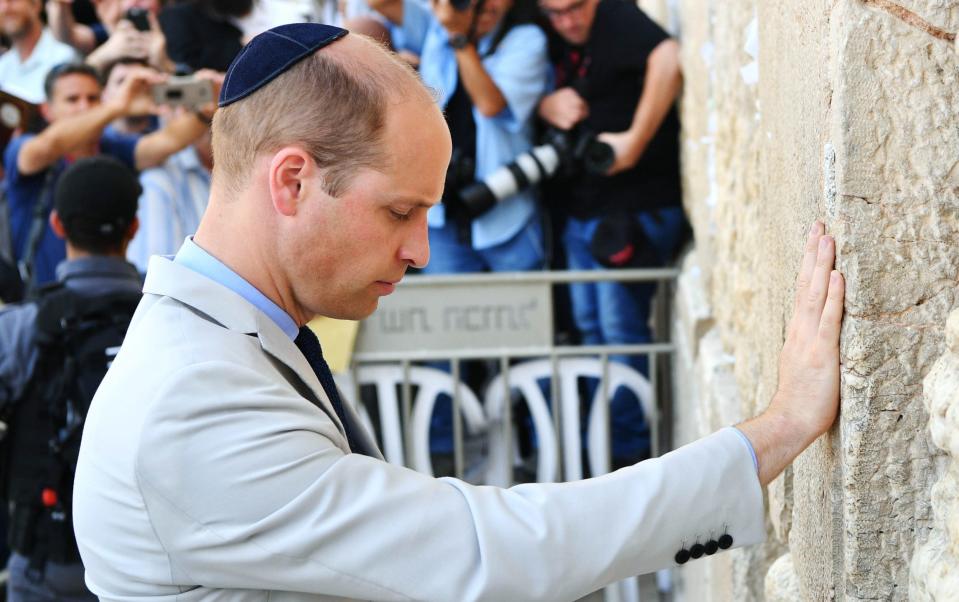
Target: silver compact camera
(184, 91)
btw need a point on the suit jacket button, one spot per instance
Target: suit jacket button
(682, 556)
(696, 551)
(711, 546)
(726, 541)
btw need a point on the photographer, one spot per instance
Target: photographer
(618, 76)
(489, 65)
(53, 353)
(202, 34)
(127, 29)
(77, 118)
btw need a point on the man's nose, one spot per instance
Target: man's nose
(416, 248)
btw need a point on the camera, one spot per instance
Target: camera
(139, 17)
(183, 91)
(563, 152)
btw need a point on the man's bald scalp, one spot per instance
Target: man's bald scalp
(333, 104)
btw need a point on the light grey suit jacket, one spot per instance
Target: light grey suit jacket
(207, 472)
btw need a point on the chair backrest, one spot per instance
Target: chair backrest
(526, 377)
(429, 384)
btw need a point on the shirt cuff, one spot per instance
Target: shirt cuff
(749, 446)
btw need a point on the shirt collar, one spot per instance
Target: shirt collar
(99, 266)
(43, 47)
(192, 256)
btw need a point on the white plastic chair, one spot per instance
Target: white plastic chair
(430, 383)
(525, 377)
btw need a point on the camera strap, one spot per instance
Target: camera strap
(38, 227)
(573, 69)
(477, 8)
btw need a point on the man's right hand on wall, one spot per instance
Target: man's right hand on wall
(807, 399)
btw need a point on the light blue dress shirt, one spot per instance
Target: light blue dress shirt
(520, 68)
(201, 262)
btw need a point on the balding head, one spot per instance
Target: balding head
(323, 177)
(333, 104)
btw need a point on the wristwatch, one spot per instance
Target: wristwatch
(459, 41)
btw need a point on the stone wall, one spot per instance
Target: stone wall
(935, 566)
(845, 111)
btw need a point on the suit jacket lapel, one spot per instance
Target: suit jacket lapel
(230, 310)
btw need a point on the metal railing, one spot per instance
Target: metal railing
(657, 353)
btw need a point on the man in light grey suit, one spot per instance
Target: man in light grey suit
(218, 462)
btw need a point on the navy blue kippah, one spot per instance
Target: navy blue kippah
(271, 53)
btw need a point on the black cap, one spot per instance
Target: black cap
(97, 198)
(271, 53)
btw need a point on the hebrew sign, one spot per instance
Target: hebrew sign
(450, 317)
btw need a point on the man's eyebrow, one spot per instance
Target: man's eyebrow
(414, 201)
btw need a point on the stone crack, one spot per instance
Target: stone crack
(910, 18)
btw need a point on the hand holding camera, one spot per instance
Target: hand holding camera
(625, 149)
(196, 93)
(136, 35)
(133, 98)
(125, 42)
(563, 108)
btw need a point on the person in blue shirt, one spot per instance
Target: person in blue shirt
(77, 118)
(489, 66)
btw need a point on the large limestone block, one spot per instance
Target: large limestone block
(861, 497)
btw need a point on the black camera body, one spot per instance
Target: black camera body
(563, 153)
(139, 17)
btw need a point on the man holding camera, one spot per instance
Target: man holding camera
(127, 29)
(617, 76)
(488, 63)
(77, 119)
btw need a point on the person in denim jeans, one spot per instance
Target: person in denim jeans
(617, 77)
(489, 66)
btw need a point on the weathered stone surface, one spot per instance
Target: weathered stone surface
(782, 584)
(846, 111)
(935, 566)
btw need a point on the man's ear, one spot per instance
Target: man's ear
(290, 172)
(57, 225)
(131, 230)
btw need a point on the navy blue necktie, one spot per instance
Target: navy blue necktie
(309, 345)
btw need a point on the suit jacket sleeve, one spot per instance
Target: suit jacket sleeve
(248, 491)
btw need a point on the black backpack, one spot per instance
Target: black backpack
(77, 337)
(11, 283)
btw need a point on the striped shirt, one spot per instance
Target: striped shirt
(173, 201)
